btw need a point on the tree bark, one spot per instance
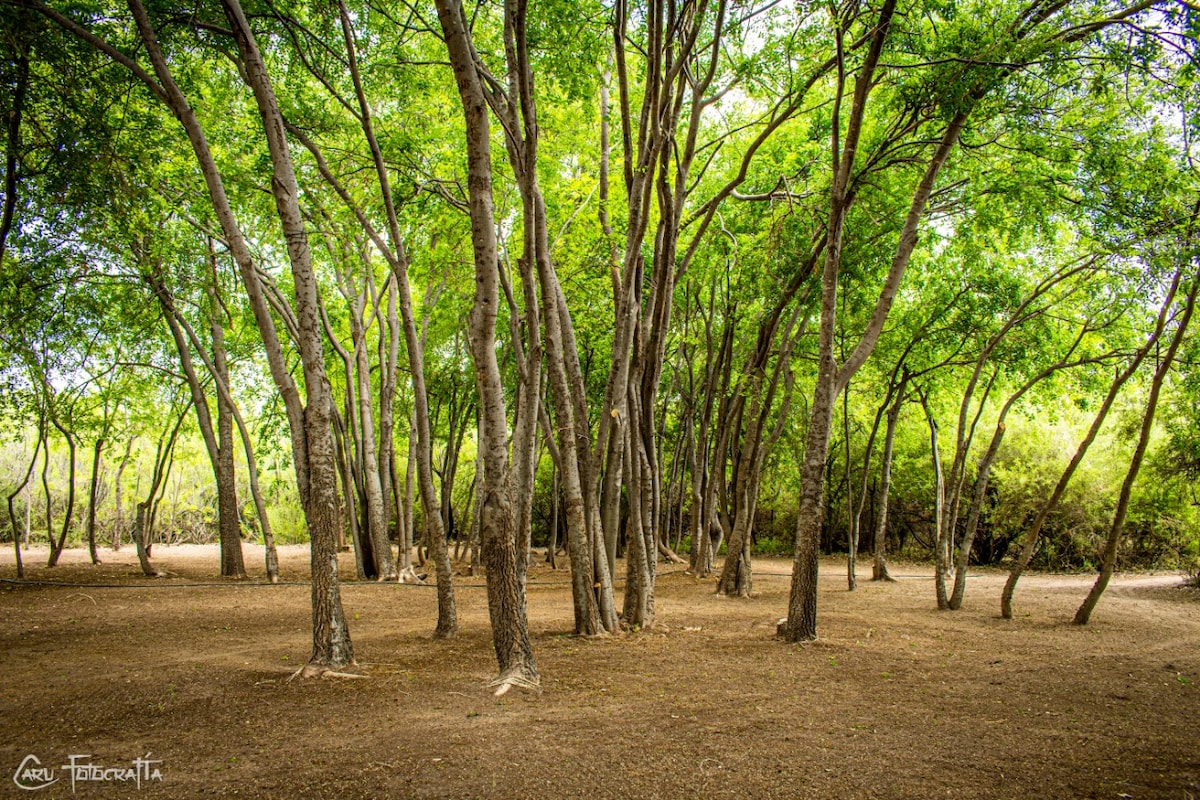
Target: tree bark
(119, 512)
(220, 452)
(1084, 613)
(56, 548)
(434, 534)
(506, 603)
(12, 516)
(943, 542)
(93, 494)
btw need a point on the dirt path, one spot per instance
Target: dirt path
(895, 699)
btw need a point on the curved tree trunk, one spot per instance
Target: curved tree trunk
(56, 548)
(12, 516)
(1084, 614)
(1030, 540)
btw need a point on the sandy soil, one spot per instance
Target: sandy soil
(895, 699)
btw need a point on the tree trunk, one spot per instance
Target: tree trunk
(506, 603)
(56, 548)
(119, 522)
(220, 451)
(879, 571)
(802, 614)
(233, 564)
(1084, 613)
(93, 494)
(310, 427)
(1030, 539)
(851, 510)
(944, 537)
(331, 636)
(381, 550)
(12, 516)
(434, 534)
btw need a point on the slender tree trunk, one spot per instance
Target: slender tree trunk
(12, 517)
(1108, 564)
(879, 571)
(409, 511)
(119, 522)
(506, 603)
(93, 494)
(945, 534)
(220, 450)
(851, 511)
(381, 550)
(233, 563)
(1030, 539)
(143, 524)
(434, 534)
(46, 491)
(56, 548)
(591, 583)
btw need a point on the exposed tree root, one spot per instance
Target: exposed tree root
(409, 575)
(518, 677)
(669, 554)
(311, 670)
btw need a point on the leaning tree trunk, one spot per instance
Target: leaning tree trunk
(985, 469)
(879, 570)
(56, 548)
(220, 451)
(1114, 533)
(12, 516)
(310, 427)
(1030, 540)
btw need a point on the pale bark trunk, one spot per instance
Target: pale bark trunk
(389, 365)
(56, 548)
(381, 551)
(434, 534)
(943, 541)
(119, 512)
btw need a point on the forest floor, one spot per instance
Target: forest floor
(894, 700)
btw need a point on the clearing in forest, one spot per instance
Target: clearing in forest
(896, 699)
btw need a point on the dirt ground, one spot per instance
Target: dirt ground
(894, 700)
